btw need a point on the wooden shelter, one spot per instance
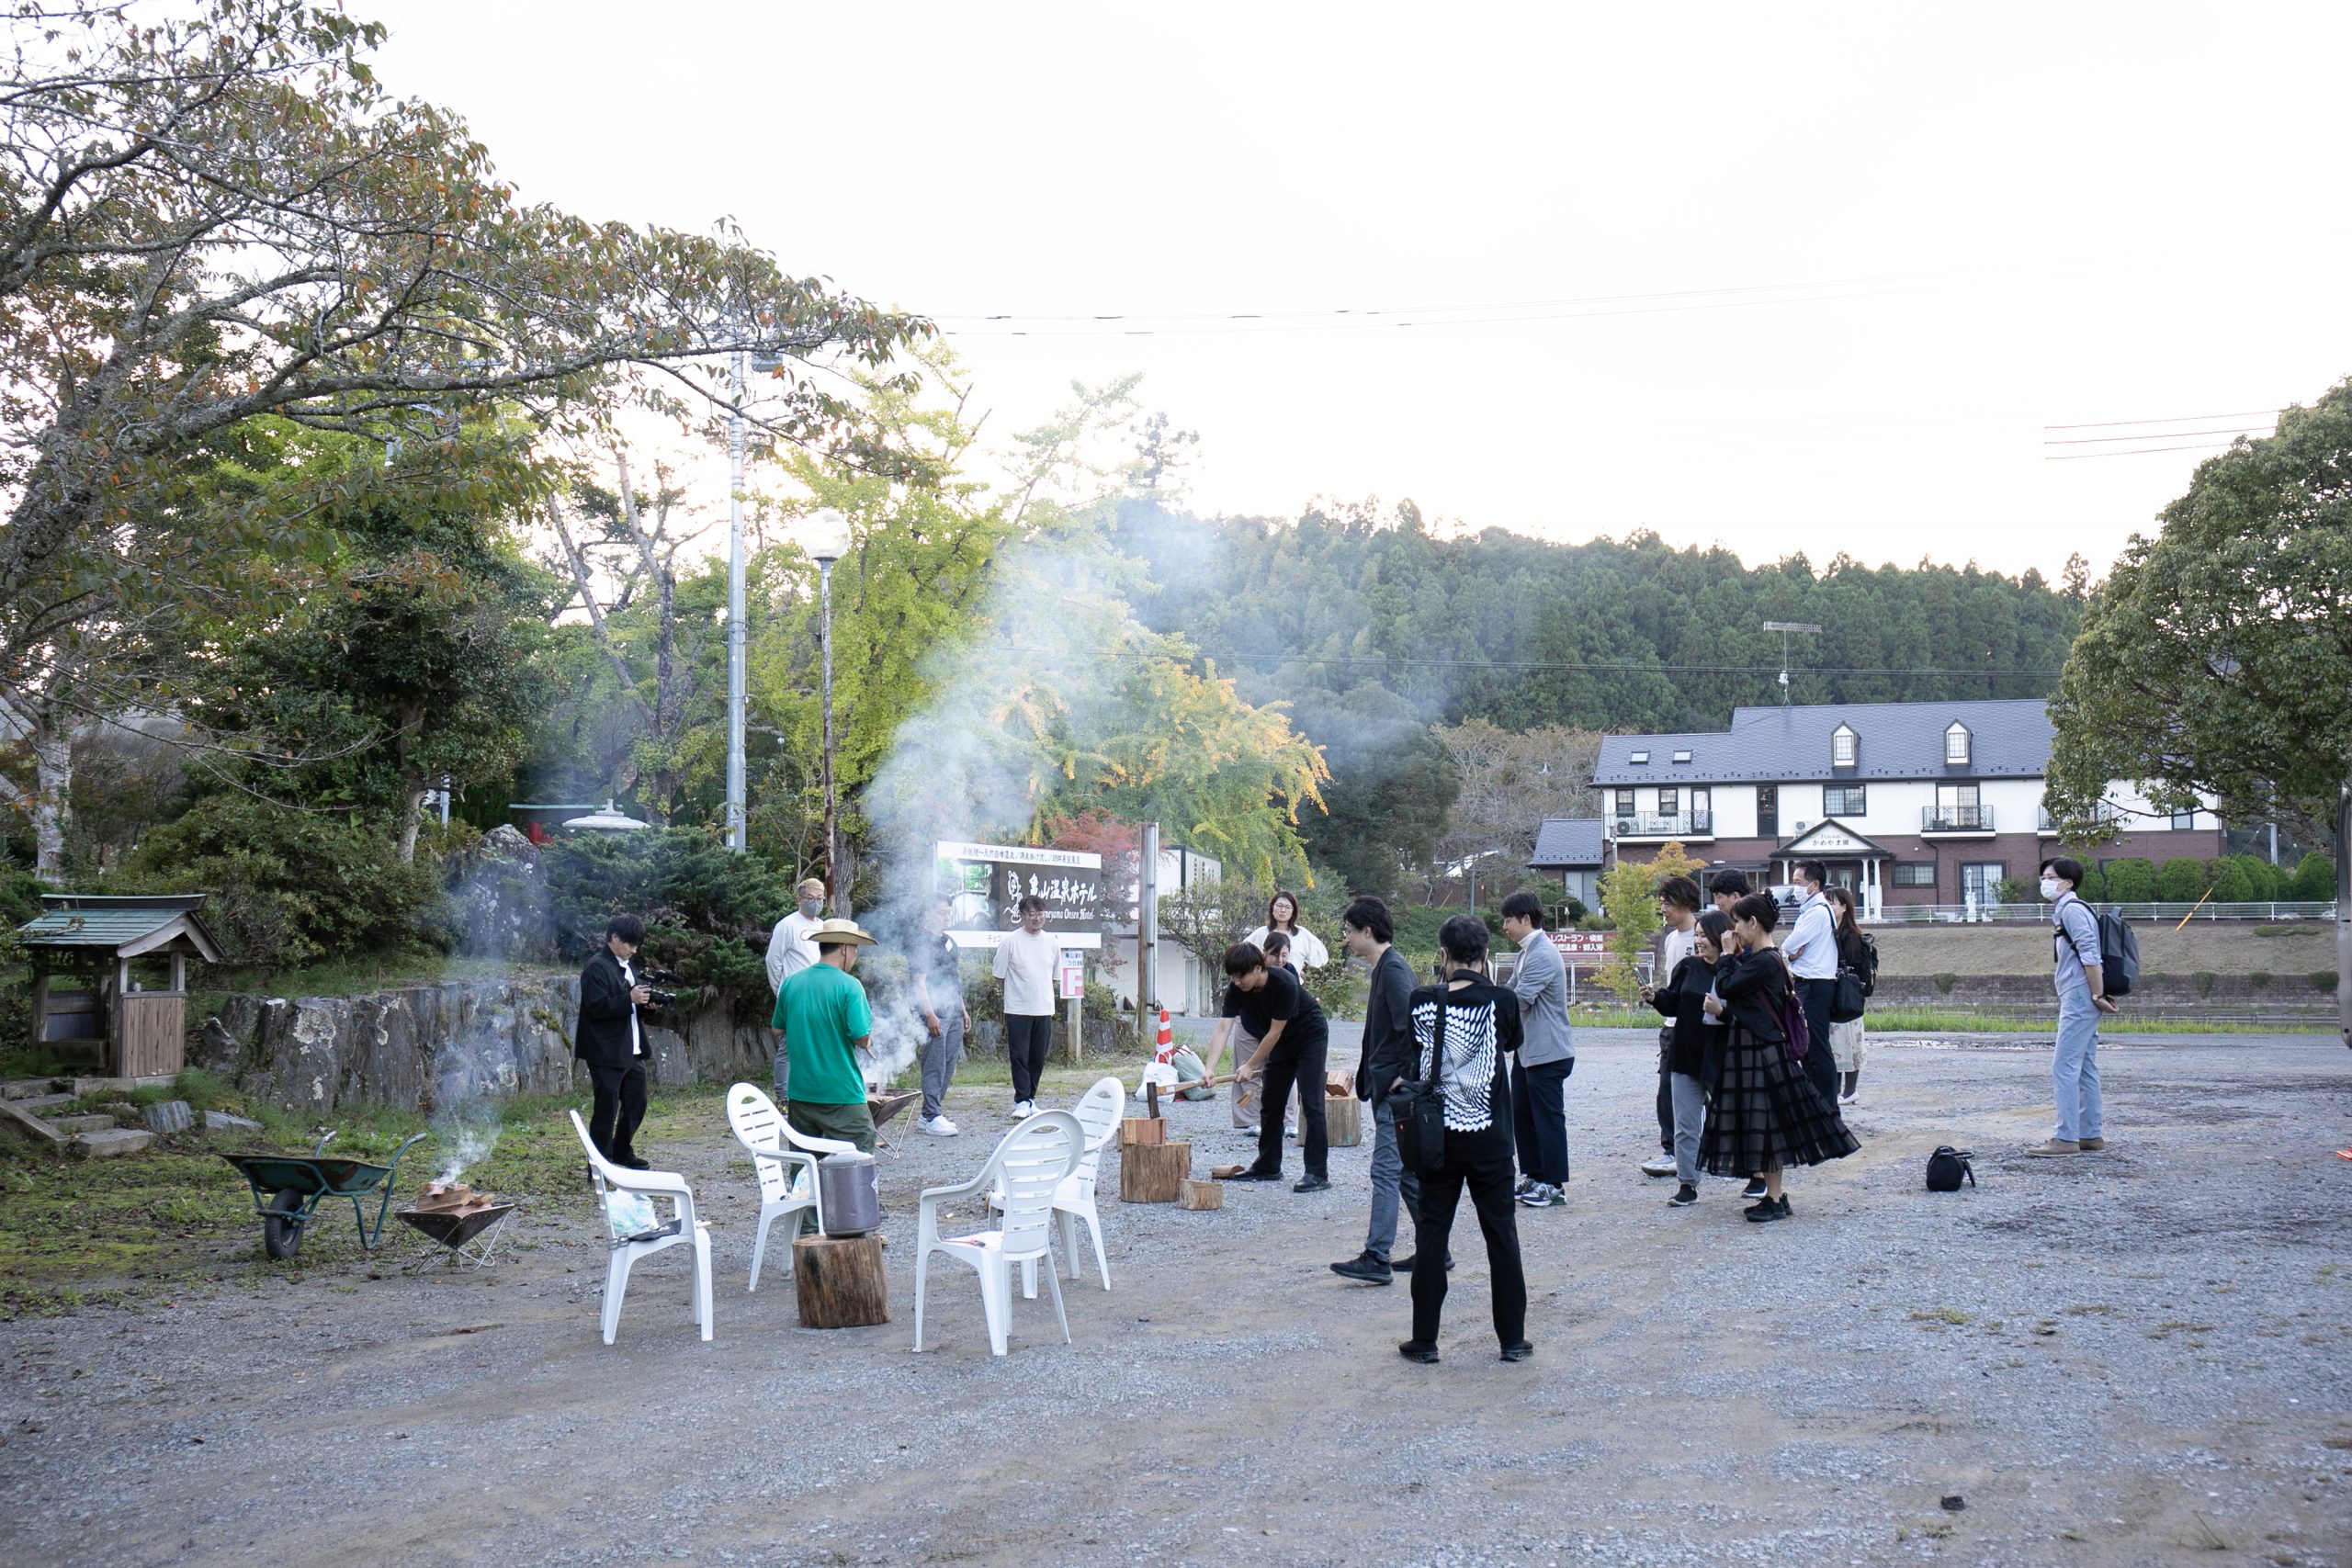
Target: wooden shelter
(89, 955)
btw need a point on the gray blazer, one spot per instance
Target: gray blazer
(1541, 982)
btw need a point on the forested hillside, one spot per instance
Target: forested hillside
(1340, 599)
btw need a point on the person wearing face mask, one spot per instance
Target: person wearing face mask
(2080, 981)
(792, 948)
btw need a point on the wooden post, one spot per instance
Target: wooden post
(838, 1282)
(1153, 1173)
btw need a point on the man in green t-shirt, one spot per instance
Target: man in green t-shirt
(824, 1019)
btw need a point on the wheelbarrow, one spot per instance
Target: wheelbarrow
(288, 1190)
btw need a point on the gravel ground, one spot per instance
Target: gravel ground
(2134, 1358)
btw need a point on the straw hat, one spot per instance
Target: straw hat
(841, 933)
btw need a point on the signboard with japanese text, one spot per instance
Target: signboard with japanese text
(1070, 975)
(984, 885)
(1581, 946)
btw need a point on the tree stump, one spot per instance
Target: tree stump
(1343, 1121)
(1190, 1194)
(1138, 1130)
(838, 1282)
(1151, 1173)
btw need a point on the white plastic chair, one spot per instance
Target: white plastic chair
(611, 1179)
(783, 1158)
(1098, 1111)
(1028, 1165)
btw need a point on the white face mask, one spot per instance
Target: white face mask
(2050, 887)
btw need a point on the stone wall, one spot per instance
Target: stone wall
(421, 1047)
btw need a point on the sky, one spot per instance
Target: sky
(1979, 283)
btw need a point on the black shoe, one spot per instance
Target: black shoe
(1255, 1175)
(1414, 1350)
(1314, 1184)
(1405, 1265)
(632, 1163)
(1770, 1210)
(1366, 1269)
(1755, 1188)
(1684, 1196)
(1518, 1350)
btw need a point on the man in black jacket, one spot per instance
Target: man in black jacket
(1387, 1056)
(610, 1038)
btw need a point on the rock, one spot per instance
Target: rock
(23, 1127)
(40, 1103)
(25, 1089)
(105, 1145)
(168, 1116)
(69, 1125)
(82, 1089)
(221, 1121)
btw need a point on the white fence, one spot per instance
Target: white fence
(2030, 914)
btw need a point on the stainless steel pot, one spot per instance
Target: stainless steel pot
(848, 1187)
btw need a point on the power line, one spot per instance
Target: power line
(2137, 452)
(2184, 418)
(2153, 436)
(1578, 666)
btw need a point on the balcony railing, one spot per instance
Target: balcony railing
(2105, 820)
(1651, 825)
(1955, 819)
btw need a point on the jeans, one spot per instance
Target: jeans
(1540, 1119)
(1390, 1182)
(1820, 1062)
(1286, 1064)
(619, 1107)
(1489, 1183)
(1689, 1121)
(939, 1059)
(783, 1073)
(1026, 1038)
(2073, 1069)
(1665, 1093)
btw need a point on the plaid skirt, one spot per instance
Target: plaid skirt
(1765, 1113)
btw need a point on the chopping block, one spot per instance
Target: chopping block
(838, 1281)
(1343, 1120)
(1152, 1173)
(1190, 1194)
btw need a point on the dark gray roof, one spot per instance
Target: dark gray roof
(1569, 841)
(2008, 737)
(124, 925)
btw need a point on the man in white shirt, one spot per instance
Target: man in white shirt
(1812, 952)
(791, 949)
(1025, 962)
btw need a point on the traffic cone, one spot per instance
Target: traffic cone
(1166, 1046)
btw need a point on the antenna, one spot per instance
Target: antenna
(1784, 628)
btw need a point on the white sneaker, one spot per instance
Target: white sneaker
(938, 1127)
(1658, 1165)
(1024, 1107)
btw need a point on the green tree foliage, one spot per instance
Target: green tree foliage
(2131, 880)
(2214, 658)
(2094, 885)
(2314, 878)
(1345, 596)
(2231, 882)
(1628, 896)
(2181, 881)
(291, 886)
(708, 912)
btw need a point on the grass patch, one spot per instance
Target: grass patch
(1952, 1316)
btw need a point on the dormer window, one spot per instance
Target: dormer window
(1638, 757)
(1956, 743)
(1843, 746)
(1682, 756)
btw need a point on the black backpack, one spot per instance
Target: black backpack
(1947, 1165)
(2118, 953)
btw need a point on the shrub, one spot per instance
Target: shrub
(1572, 912)
(707, 910)
(2014, 890)
(2323, 980)
(2181, 881)
(289, 887)
(2259, 979)
(2131, 880)
(2315, 880)
(1945, 981)
(2094, 885)
(2204, 978)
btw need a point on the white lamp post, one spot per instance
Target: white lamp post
(826, 537)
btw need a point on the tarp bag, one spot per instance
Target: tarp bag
(1420, 1108)
(2118, 953)
(1947, 1165)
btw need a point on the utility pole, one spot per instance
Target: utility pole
(1147, 933)
(2344, 908)
(736, 838)
(1784, 628)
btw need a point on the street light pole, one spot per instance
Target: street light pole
(832, 815)
(736, 814)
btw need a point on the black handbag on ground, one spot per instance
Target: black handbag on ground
(1947, 1165)
(1420, 1107)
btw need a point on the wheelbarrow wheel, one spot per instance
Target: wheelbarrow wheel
(281, 1225)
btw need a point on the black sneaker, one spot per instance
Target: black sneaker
(1518, 1350)
(1684, 1196)
(1405, 1265)
(1364, 1269)
(1755, 1188)
(1255, 1175)
(1313, 1183)
(1770, 1210)
(1414, 1350)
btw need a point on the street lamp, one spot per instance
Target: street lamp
(826, 537)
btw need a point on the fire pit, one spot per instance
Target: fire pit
(465, 1222)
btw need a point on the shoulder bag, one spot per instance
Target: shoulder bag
(1419, 1104)
(1795, 1035)
(1947, 1165)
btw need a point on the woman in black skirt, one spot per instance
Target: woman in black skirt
(1477, 1023)
(1765, 1115)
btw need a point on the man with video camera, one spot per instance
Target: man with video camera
(610, 1038)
